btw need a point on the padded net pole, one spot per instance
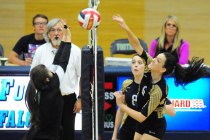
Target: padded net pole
(93, 45)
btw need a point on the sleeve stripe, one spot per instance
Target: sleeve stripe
(154, 99)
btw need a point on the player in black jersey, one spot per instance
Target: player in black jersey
(153, 92)
(130, 88)
(43, 95)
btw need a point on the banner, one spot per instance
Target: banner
(14, 114)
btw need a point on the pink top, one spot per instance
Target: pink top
(183, 52)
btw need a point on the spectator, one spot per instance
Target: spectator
(170, 41)
(26, 46)
(1, 51)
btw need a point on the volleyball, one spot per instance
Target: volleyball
(89, 18)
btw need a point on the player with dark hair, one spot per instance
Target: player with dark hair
(151, 99)
(43, 95)
(130, 88)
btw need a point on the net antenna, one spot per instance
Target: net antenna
(93, 37)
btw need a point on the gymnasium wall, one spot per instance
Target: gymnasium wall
(145, 18)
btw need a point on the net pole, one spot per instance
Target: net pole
(93, 45)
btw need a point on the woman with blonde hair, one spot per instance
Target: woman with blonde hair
(171, 41)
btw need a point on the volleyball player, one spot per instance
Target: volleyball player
(151, 99)
(43, 96)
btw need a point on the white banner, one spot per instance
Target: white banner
(14, 114)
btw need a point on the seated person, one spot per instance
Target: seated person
(27, 45)
(170, 41)
(1, 51)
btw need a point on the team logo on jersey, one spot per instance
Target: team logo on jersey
(152, 132)
(144, 90)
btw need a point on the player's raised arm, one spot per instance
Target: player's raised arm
(131, 36)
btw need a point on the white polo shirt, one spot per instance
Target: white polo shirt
(45, 55)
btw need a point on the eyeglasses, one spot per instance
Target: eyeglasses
(54, 30)
(40, 23)
(171, 25)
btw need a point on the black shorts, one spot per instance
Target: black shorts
(126, 134)
(127, 130)
(154, 127)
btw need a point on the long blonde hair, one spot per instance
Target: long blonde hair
(177, 38)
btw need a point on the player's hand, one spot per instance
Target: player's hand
(120, 21)
(119, 97)
(66, 31)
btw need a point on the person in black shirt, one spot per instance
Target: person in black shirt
(130, 89)
(26, 46)
(43, 95)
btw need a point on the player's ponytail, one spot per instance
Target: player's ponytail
(195, 70)
(184, 75)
